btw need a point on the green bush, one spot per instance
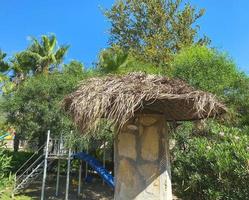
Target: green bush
(4, 168)
(4, 162)
(205, 69)
(18, 159)
(211, 163)
(6, 191)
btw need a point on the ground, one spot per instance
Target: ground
(95, 190)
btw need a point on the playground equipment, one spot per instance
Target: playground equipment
(97, 166)
(7, 136)
(54, 150)
(2, 137)
(7, 139)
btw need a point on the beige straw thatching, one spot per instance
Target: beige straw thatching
(119, 98)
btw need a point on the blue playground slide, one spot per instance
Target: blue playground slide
(97, 166)
(3, 136)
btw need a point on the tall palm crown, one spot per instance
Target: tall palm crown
(42, 55)
(4, 66)
(46, 53)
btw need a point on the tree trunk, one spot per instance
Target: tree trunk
(16, 144)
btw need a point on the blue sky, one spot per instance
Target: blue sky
(81, 24)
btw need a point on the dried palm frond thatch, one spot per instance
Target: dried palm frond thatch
(119, 98)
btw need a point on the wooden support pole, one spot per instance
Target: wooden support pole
(45, 167)
(58, 178)
(169, 195)
(68, 173)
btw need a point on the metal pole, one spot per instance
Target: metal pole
(61, 145)
(68, 171)
(104, 160)
(58, 178)
(86, 173)
(45, 167)
(80, 173)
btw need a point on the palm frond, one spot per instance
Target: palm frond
(45, 41)
(60, 53)
(52, 43)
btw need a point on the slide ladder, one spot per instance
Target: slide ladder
(29, 175)
(97, 166)
(30, 170)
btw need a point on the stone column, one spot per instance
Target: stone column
(142, 165)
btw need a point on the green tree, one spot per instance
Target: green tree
(41, 55)
(111, 59)
(211, 162)
(35, 106)
(213, 71)
(154, 30)
(4, 65)
(116, 60)
(206, 69)
(5, 82)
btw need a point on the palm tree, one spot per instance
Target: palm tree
(41, 56)
(5, 83)
(4, 66)
(112, 59)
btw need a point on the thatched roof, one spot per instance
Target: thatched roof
(119, 98)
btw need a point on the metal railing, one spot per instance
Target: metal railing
(27, 161)
(31, 169)
(57, 147)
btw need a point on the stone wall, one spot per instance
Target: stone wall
(142, 167)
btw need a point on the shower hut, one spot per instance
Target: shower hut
(140, 107)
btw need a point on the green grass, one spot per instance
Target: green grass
(6, 187)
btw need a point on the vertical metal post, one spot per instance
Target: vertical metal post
(68, 171)
(58, 166)
(61, 146)
(58, 178)
(45, 167)
(86, 173)
(80, 173)
(104, 160)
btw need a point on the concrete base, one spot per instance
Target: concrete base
(142, 166)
